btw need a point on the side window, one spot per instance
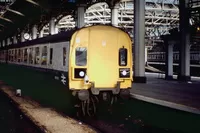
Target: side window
(64, 56)
(25, 55)
(12, 55)
(44, 55)
(0, 55)
(122, 57)
(51, 55)
(37, 55)
(31, 55)
(16, 55)
(19, 55)
(9, 55)
(81, 56)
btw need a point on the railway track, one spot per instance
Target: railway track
(13, 120)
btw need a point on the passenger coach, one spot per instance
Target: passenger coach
(90, 60)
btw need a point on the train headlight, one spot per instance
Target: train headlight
(124, 72)
(81, 73)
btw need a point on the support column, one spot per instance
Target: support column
(3, 43)
(41, 33)
(52, 26)
(8, 41)
(139, 43)
(30, 38)
(169, 60)
(184, 60)
(114, 15)
(80, 22)
(22, 37)
(14, 39)
(56, 30)
(34, 32)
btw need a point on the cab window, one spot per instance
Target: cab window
(81, 56)
(122, 57)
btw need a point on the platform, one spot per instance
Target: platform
(183, 96)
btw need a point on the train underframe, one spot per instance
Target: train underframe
(91, 97)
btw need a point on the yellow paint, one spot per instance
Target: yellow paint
(103, 44)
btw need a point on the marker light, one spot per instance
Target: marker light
(124, 73)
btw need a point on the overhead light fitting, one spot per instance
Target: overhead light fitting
(33, 2)
(2, 25)
(6, 19)
(16, 12)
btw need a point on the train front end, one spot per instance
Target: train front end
(100, 62)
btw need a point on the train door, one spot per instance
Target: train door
(50, 61)
(44, 54)
(103, 60)
(65, 56)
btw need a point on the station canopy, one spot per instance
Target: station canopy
(21, 15)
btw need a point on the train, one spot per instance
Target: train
(160, 57)
(91, 61)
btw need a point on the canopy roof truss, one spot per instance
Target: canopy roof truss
(160, 17)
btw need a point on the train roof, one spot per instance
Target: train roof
(106, 25)
(60, 37)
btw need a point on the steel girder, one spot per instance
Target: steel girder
(160, 16)
(194, 6)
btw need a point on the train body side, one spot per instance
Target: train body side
(45, 56)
